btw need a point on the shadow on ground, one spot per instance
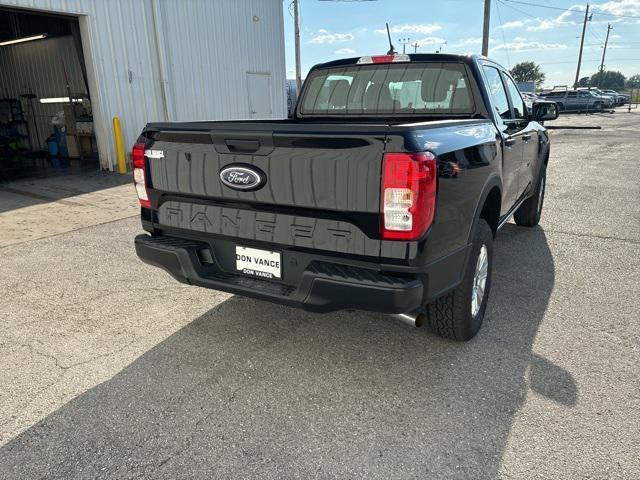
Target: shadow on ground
(15, 166)
(254, 390)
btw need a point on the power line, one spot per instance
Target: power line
(596, 37)
(593, 60)
(569, 9)
(518, 10)
(614, 43)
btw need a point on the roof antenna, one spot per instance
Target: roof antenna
(392, 50)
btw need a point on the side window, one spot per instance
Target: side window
(519, 109)
(496, 88)
(572, 94)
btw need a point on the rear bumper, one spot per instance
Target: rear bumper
(322, 286)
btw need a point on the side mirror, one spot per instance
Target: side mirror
(544, 111)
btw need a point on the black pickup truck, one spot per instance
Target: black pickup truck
(384, 192)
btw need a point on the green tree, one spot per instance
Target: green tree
(584, 82)
(610, 80)
(527, 72)
(634, 81)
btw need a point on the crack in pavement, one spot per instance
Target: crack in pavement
(58, 362)
(590, 235)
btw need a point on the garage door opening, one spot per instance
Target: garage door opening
(46, 118)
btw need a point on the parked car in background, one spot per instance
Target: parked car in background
(578, 100)
(384, 192)
(621, 98)
(610, 99)
(529, 99)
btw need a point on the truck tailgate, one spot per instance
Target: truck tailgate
(322, 187)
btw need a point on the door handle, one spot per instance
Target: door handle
(242, 146)
(510, 141)
(526, 137)
(242, 142)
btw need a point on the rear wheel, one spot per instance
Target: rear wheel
(458, 315)
(529, 213)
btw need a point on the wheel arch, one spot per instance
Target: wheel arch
(543, 161)
(489, 206)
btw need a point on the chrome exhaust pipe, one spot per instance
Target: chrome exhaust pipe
(413, 319)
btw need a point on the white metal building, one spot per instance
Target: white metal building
(175, 60)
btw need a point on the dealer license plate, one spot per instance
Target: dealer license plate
(258, 263)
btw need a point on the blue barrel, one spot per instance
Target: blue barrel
(52, 147)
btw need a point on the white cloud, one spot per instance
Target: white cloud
(574, 15)
(468, 44)
(621, 7)
(430, 41)
(519, 39)
(568, 17)
(513, 24)
(527, 46)
(565, 17)
(325, 36)
(542, 25)
(422, 28)
(344, 51)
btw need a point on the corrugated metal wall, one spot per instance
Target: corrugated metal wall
(210, 52)
(37, 67)
(206, 48)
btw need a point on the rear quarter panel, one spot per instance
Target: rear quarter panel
(469, 160)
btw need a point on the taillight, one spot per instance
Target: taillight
(139, 174)
(408, 195)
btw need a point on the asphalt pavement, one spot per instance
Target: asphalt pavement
(111, 369)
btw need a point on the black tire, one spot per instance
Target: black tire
(450, 316)
(529, 213)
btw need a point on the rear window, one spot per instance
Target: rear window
(432, 88)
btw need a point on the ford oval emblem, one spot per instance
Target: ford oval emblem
(242, 177)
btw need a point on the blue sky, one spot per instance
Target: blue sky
(547, 33)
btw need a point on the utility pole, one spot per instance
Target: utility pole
(604, 52)
(404, 42)
(441, 47)
(584, 29)
(415, 47)
(485, 27)
(296, 21)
